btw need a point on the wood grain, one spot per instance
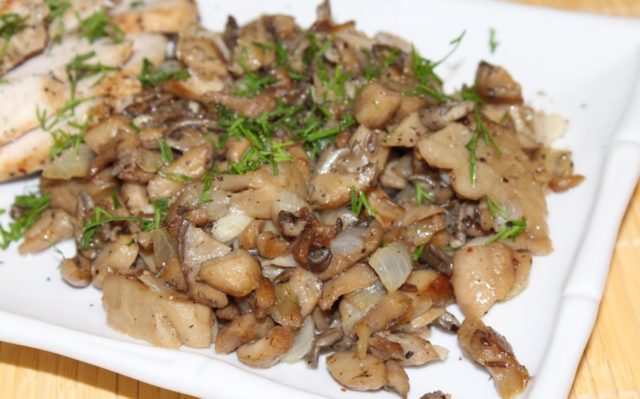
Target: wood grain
(610, 367)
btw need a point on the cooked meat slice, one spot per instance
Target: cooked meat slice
(25, 155)
(158, 16)
(491, 350)
(30, 34)
(163, 318)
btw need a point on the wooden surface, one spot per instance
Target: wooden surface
(610, 367)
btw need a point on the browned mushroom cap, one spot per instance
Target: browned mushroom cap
(268, 350)
(53, 226)
(358, 276)
(235, 274)
(481, 276)
(368, 374)
(375, 105)
(397, 378)
(246, 328)
(76, 271)
(490, 349)
(116, 257)
(495, 85)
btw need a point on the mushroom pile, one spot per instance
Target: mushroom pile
(284, 193)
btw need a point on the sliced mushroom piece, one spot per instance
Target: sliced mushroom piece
(116, 257)
(481, 276)
(436, 395)
(406, 133)
(368, 374)
(358, 276)
(53, 226)
(352, 245)
(286, 309)
(268, 350)
(191, 165)
(76, 271)
(164, 319)
(195, 246)
(387, 312)
(491, 350)
(246, 328)
(235, 274)
(439, 116)
(375, 105)
(417, 351)
(397, 378)
(496, 86)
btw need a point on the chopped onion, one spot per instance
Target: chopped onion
(229, 227)
(281, 261)
(302, 343)
(355, 305)
(393, 265)
(165, 247)
(348, 241)
(72, 162)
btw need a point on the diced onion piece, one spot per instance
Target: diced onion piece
(281, 261)
(164, 247)
(72, 162)
(230, 226)
(302, 343)
(354, 306)
(393, 265)
(348, 242)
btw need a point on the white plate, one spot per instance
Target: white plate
(586, 66)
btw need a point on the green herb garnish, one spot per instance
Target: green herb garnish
(114, 200)
(149, 76)
(417, 254)
(512, 229)
(374, 70)
(252, 84)
(480, 130)
(166, 154)
(175, 177)
(57, 9)
(495, 209)
(32, 205)
(358, 201)
(422, 194)
(12, 24)
(99, 25)
(78, 69)
(160, 209)
(99, 218)
(137, 3)
(493, 42)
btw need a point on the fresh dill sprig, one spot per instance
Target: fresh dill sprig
(417, 254)
(252, 84)
(375, 69)
(175, 177)
(99, 25)
(12, 24)
(493, 41)
(358, 201)
(160, 209)
(470, 93)
(422, 194)
(78, 69)
(31, 206)
(57, 9)
(149, 76)
(495, 209)
(166, 154)
(512, 229)
(99, 218)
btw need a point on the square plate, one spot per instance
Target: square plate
(580, 66)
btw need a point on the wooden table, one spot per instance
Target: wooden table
(610, 367)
